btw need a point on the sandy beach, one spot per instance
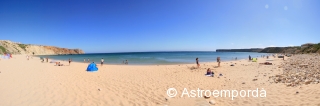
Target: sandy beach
(32, 83)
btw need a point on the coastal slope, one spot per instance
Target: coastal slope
(7, 46)
(305, 48)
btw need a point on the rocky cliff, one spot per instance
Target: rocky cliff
(240, 50)
(306, 48)
(17, 48)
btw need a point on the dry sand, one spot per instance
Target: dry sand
(32, 83)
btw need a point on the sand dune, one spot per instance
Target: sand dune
(32, 83)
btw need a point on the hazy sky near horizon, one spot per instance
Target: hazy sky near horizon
(160, 25)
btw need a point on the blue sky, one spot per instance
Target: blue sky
(160, 25)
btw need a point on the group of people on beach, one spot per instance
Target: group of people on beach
(102, 61)
(42, 58)
(218, 60)
(125, 62)
(6, 56)
(209, 72)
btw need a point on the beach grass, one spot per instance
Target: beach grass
(23, 46)
(316, 46)
(3, 49)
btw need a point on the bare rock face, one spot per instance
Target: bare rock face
(300, 69)
(18, 48)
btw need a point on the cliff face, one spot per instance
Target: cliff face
(17, 48)
(240, 50)
(312, 48)
(292, 50)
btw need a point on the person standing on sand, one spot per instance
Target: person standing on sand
(84, 60)
(47, 59)
(197, 62)
(27, 57)
(218, 60)
(249, 57)
(69, 61)
(102, 60)
(88, 60)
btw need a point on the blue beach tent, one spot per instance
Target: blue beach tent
(92, 67)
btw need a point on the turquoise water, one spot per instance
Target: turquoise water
(138, 58)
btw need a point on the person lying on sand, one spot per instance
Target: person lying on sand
(265, 63)
(58, 64)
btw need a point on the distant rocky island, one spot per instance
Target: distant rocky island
(7, 46)
(304, 48)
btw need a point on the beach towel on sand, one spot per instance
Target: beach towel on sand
(254, 60)
(92, 67)
(209, 74)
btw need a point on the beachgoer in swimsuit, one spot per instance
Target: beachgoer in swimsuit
(209, 72)
(60, 64)
(69, 61)
(102, 60)
(197, 61)
(218, 60)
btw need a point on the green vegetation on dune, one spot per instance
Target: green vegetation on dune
(23, 46)
(4, 50)
(316, 46)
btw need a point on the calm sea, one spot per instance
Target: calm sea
(142, 58)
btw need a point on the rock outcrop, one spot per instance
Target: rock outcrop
(17, 48)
